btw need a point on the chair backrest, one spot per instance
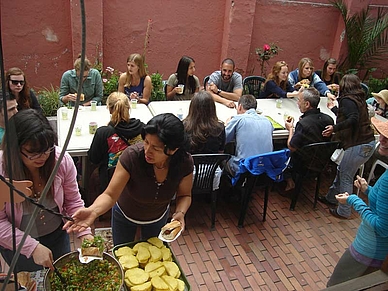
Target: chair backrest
(205, 80)
(205, 168)
(366, 90)
(273, 164)
(372, 170)
(252, 85)
(314, 157)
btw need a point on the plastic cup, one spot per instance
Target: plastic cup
(64, 113)
(279, 103)
(93, 105)
(78, 129)
(92, 127)
(180, 87)
(133, 103)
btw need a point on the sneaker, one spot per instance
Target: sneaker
(323, 200)
(333, 211)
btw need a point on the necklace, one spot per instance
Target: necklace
(159, 168)
(36, 195)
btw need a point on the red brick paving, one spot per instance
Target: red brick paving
(292, 250)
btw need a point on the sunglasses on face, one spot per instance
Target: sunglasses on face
(37, 156)
(15, 82)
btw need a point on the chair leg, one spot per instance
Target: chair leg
(246, 192)
(298, 188)
(265, 201)
(317, 186)
(213, 208)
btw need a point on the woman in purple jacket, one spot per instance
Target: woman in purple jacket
(31, 148)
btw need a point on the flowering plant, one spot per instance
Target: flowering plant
(110, 80)
(266, 53)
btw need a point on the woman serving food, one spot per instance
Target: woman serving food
(147, 177)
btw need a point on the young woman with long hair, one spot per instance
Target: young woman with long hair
(305, 75)
(329, 74)
(111, 140)
(31, 148)
(18, 86)
(135, 82)
(184, 75)
(206, 133)
(353, 129)
(277, 84)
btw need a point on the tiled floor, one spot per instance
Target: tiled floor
(291, 250)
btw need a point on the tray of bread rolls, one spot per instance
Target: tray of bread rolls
(150, 265)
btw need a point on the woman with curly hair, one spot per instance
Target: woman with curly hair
(18, 87)
(277, 84)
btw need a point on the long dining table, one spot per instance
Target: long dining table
(265, 107)
(79, 144)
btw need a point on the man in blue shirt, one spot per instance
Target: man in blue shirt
(251, 132)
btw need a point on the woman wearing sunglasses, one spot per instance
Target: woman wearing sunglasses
(18, 86)
(31, 148)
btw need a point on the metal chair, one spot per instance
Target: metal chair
(372, 170)
(252, 85)
(366, 90)
(205, 169)
(310, 161)
(260, 170)
(205, 80)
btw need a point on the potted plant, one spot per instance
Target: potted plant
(49, 101)
(157, 93)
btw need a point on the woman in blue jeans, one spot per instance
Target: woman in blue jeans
(369, 249)
(353, 129)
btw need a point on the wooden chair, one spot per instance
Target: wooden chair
(310, 161)
(205, 169)
(252, 85)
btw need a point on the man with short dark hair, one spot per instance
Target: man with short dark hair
(251, 132)
(309, 128)
(225, 85)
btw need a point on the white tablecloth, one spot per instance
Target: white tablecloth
(266, 106)
(79, 145)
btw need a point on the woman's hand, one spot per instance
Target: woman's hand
(43, 256)
(179, 216)
(331, 104)
(328, 131)
(332, 97)
(361, 183)
(134, 95)
(83, 218)
(342, 198)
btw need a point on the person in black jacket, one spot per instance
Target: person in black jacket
(110, 141)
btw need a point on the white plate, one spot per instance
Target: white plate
(169, 240)
(86, 259)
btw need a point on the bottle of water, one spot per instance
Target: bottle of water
(180, 114)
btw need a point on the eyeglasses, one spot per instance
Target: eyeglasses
(15, 82)
(37, 156)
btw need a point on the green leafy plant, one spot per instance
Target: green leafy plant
(49, 100)
(157, 93)
(266, 53)
(376, 85)
(367, 38)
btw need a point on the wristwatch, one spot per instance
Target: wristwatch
(219, 91)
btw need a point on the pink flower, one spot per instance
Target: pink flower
(266, 47)
(104, 80)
